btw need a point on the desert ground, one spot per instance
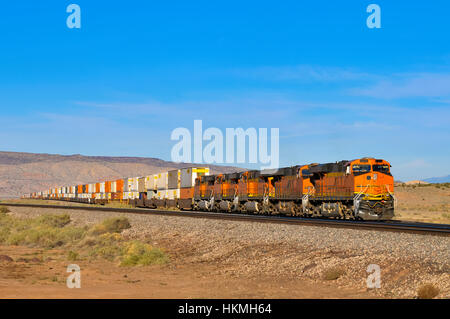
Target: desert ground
(423, 202)
(202, 258)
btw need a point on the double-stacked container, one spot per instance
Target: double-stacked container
(150, 186)
(161, 181)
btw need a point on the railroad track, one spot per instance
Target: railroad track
(400, 226)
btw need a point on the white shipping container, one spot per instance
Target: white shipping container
(188, 175)
(173, 179)
(161, 194)
(173, 193)
(130, 195)
(141, 185)
(151, 194)
(102, 187)
(161, 180)
(150, 182)
(133, 184)
(113, 187)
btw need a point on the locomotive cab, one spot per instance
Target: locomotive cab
(373, 189)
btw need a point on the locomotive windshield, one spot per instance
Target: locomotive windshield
(360, 169)
(381, 168)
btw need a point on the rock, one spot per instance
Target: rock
(5, 258)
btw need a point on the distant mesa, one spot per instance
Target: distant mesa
(443, 179)
(22, 173)
(416, 183)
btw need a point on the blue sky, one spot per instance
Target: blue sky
(136, 70)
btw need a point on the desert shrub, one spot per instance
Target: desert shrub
(445, 215)
(54, 220)
(138, 253)
(72, 255)
(46, 231)
(427, 291)
(111, 225)
(46, 236)
(4, 210)
(102, 240)
(333, 273)
(107, 245)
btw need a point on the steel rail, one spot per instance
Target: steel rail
(399, 226)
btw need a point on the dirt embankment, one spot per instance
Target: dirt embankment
(229, 259)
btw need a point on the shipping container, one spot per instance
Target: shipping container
(189, 174)
(102, 188)
(173, 193)
(141, 185)
(97, 187)
(161, 180)
(161, 194)
(151, 194)
(173, 179)
(150, 182)
(119, 185)
(187, 192)
(108, 187)
(133, 184)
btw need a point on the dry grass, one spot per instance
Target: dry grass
(102, 240)
(427, 291)
(111, 225)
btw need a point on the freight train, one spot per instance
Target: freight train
(360, 189)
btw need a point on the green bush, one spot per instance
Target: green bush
(137, 253)
(107, 245)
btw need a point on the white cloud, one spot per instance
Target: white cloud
(408, 85)
(303, 73)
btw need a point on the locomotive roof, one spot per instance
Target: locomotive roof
(283, 171)
(329, 167)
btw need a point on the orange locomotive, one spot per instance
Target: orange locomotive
(358, 189)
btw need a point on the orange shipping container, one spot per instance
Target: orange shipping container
(107, 187)
(119, 186)
(187, 193)
(97, 187)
